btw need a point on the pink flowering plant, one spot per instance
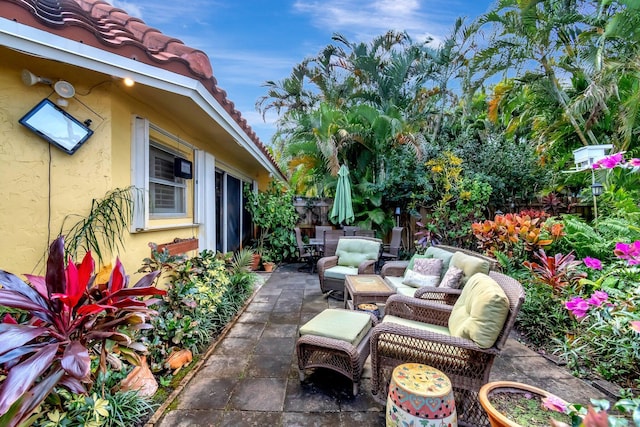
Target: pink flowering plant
(607, 336)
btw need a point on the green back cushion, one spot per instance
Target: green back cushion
(434, 252)
(352, 252)
(480, 312)
(469, 265)
(344, 325)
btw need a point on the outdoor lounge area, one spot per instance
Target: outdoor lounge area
(251, 376)
(410, 211)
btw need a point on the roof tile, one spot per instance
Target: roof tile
(118, 32)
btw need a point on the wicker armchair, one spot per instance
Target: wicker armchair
(465, 363)
(330, 282)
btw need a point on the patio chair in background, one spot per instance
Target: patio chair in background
(304, 251)
(331, 238)
(350, 230)
(460, 340)
(365, 233)
(320, 229)
(392, 250)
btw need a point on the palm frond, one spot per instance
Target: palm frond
(103, 229)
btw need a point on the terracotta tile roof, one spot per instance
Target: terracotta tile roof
(98, 24)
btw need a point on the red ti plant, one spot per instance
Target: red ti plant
(556, 271)
(69, 316)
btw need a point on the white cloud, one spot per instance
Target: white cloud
(376, 17)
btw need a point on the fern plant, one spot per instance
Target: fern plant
(585, 240)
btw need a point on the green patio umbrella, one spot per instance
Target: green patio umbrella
(342, 210)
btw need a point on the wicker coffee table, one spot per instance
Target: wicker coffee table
(365, 288)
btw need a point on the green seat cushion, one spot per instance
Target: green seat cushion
(352, 252)
(344, 325)
(469, 265)
(339, 271)
(480, 312)
(396, 282)
(417, 325)
(409, 291)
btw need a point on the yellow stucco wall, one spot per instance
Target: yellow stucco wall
(40, 185)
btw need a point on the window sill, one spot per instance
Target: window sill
(165, 228)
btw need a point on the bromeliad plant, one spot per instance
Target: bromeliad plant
(68, 317)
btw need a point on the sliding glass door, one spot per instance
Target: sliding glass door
(233, 225)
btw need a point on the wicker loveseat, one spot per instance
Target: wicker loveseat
(416, 330)
(393, 272)
(354, 255)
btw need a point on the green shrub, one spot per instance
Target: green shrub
(542, 319)
(204, 293)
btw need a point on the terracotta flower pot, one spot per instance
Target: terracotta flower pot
(269, 266)
(496, 418)
(255, 261)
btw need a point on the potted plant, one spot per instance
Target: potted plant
(512, 404)
(268, 261)
(274, 216)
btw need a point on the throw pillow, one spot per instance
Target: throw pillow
(452, 278)
(480, 312)
(417, 280)
(428, 266)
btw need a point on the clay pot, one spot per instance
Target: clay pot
(269, 266)
(496, 418)
(178, 358)
(255, 261)
(141, 379)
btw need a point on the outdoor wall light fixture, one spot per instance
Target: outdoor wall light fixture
(65, 90)
(128, 81)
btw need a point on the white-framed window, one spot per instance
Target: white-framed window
(167, 192)
(164, 196)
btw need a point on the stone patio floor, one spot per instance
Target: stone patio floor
(250, 376)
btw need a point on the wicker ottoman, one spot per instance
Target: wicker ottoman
(336, 339)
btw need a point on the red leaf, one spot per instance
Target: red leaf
(75, 360)
(90, 309)
(13, 299)
(9, 319)
(118, 278)
(14, 283)
(55, 276)
(12, 336)
(21, 377)
(70, 297)
(38, 284)
(129, 292)
(147, 280)
(36, 395)
(86, 269)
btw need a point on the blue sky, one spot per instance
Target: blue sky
(252, 41)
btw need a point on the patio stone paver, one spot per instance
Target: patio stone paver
(250, 378)
(264, 366)
(220, 366)
(259, 394)
(193, 418)
(251, 419)
(206, 393)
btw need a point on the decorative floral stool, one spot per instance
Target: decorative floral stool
(422, 396)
